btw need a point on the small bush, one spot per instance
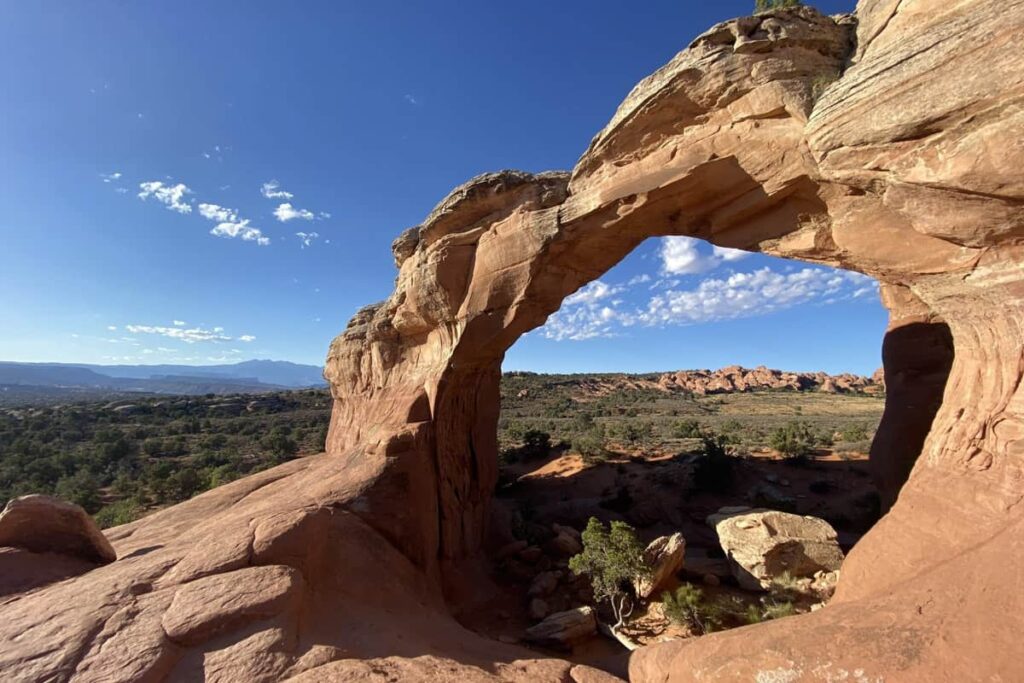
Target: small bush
(536, 445)
(686, 607)
(687, 429)
(714, 470)
(794, 440)
(116, 514)
(765, 5)
(590, 446)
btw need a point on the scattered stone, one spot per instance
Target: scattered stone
(510, 549)
(711, 580)
(565, 544)
(44, 524)
(568, 530)
(538, 609)
(531, 554)
(762, 545)
(562, 630)
(664, 557)
(543, 584)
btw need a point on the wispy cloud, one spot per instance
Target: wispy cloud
(110, 177)
(272, 190)
(231, 225)
(412, 99)
(171, 196)
(179, 323)
(286, 212)
(307, 238)
(190, 335)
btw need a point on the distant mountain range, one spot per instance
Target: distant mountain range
(247, 377)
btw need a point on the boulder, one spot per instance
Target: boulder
(562, 630)
(582, 673)
(538, 609)
(565, 544)
(544, 583)
(664, 556)
(762, 545)
(44, 524)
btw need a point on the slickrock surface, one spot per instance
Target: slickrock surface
(889, 145)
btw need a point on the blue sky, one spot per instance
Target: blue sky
(160, 162)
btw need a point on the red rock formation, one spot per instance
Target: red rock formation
(907, 168)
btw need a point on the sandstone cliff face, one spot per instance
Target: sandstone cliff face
(907, 168)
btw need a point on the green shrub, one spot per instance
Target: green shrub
(794, 440)
(612, 558)
(686, 607)
(687, 429)
(590, 446)
(116, 514)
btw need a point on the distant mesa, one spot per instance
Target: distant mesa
(254, 376)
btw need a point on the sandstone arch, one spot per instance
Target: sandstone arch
(907, 167)
(727, 143)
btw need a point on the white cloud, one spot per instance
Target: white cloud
(412, 99)
(272, 190)
(590, 313)
(169, 195)
(307, 238)
(727, 254)
(188, 335)
(679, 255)
(286, 212)
(749, 294)
(110, 177)
(217, 213)
(684, 256)
(179, 323)
(241, 229)
(323, 215)
(638, 280)
(592, 293)
(112, 328)
(230, 225)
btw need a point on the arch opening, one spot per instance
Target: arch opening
(629, 446)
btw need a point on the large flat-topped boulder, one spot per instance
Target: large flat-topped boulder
(765, 546)
(44, 524)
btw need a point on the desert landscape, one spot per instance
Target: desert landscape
(451, 522)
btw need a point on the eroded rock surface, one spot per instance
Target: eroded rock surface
(765, 546)
(664, 556)
(890, 145)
